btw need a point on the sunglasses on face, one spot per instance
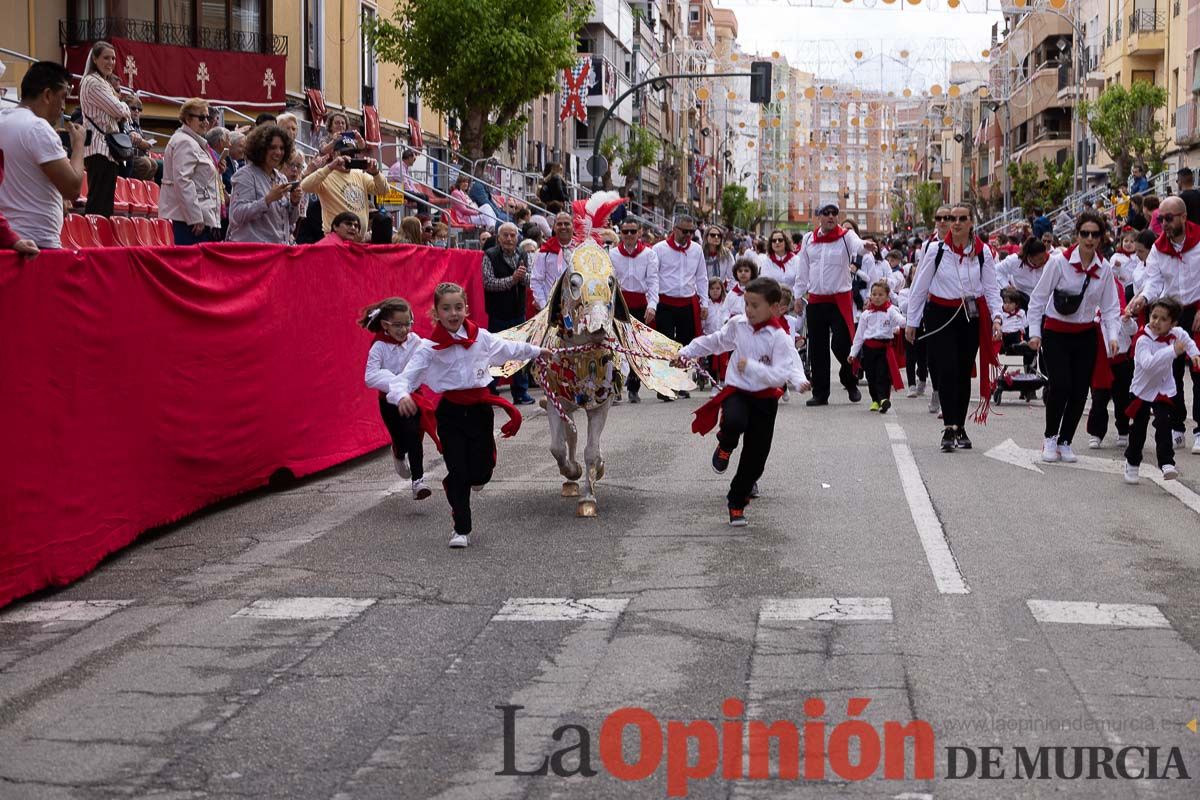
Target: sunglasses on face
(629, 232)
(714, 236)
(962, 218)
(1090, 234)
(686, 231)
(773, 241)
(943, 218)
(1169, 217)
(828, 213)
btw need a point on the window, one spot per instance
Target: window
(311, 32)
(414, 102)
(368, 68)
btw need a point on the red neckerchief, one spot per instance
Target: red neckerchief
(738, 290)
(820, 237)
(976, 247)
(786, 258)
(383, 337)
(1124, 252)
(1092, 272)
(1028, 265)
(636, 251)
(1016, 313)
(443, 339)
(1166, 338)
(886, 305)
(773, 322)
(552, 246)
(1191, 237)
(678, 248)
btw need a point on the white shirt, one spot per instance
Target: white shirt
(875, 324)
(1152, 362)
(957, 276)
(825, 268)
(771, 359)
(715, 319)
(1123, 265)
(1015, 272)
(735, 303)
(1014, 323)
(769, 269)
(457, 367)
(1101, 293)
(547, 267)
(1177, 276)
(637, 274)
(387, 360)
(32, 204)
(682, 274)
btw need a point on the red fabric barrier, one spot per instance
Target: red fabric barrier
(141, 384)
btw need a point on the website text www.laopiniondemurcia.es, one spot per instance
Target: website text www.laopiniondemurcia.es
(851, 750)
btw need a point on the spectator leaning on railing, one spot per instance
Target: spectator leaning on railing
(264, 206)
(40, 173)
(103, 112)
(191, 194)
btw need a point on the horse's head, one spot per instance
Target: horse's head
(588, 297)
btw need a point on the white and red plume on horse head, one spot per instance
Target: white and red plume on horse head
(593, 213)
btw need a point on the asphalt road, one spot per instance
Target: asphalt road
(323, 642)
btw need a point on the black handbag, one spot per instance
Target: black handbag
(120, 143)
(1066, 303)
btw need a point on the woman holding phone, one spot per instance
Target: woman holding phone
(264, 205)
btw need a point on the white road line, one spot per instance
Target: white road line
(946, 573)
(51, 611)
(306, 607)
(826, 609)
(555, 609)
(1122, 615)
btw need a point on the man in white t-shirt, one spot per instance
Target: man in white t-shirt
(38, 173)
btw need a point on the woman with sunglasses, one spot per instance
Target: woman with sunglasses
(779, 262)
(191, 192)
(1062, 324)
(718, 258)
(956, 295)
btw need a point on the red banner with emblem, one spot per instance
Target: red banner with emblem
(224, 77)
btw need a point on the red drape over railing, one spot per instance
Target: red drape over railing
(141, 384)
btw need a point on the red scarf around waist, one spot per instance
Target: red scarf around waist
(1102, 376)
(843, 301)
(683, 302)
(427, 402)
(708, 414)
(1135, 404)
(635, 300)
(889, 347)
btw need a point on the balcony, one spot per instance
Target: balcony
(1185, 125)
(1147, 35)
(1068, 88)
(84, 31)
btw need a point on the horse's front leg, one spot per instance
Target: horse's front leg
(562, 447)
(593, 461)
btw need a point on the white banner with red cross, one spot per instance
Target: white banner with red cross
(575, 80)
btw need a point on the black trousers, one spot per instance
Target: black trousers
(752, 420)
(1181, 365)
(916, 361)
(826, 330)
(406, 436)
(875, 369)
(1068, 360)
(102, 175)
(1163, 446)
(633, 383)
(469, 450)
(1097, 421)
(676, 322)
(952, 351)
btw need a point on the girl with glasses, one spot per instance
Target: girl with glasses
(1062, 324)
(779, 261)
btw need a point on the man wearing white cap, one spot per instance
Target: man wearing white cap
(823, 283)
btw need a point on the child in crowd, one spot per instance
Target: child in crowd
(744, 271)
(916, 361)
(874, 339)
(712, 323)
(391, 322)
(764, 360)
(455, 363)
(1013, 324)
(1121, 366)
(1155, 349)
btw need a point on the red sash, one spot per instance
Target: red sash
(1135, 405)
(845, 304)
(893, 365)
(635, 300)
(683, 302)
(708, 414)
(1102, 376)
(427, 401)
(988, 349)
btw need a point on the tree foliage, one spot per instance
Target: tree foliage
(1043, 187)
(1123, 121)
(639, 150)
(927, 199)
(734, 199)
(481, 60)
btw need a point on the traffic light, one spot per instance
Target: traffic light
(760, 81)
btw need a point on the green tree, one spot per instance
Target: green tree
(638, 151)
(1042, 187)
(1059, 180)
(1123, 121)
(1026, 185)
(928, 198)
(734, 200)
(481, 60)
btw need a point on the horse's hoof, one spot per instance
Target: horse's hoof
(542, 403)
(570, 489)
(586, 508)
(574, 473)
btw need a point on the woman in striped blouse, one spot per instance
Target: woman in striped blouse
(103, 113)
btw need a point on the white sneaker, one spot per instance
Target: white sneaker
(1066, 454)
(1093, 443)
(1131, 473)
(912, 391)
(420, 490)
(460, 540)
(920, 388)
(1196, 444)
(1170, 473)
(1123, 441)
(1177, 438)
(401, 467)
(478, 488)
(1050, 450)
(935, 403)
(785, 397)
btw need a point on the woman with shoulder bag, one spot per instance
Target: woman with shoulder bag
(104, 116)
(1075, 347)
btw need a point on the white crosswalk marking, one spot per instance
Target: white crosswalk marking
(1122, 615)
(306, 607)
(826, 609)
(550, 609)
(51, 611)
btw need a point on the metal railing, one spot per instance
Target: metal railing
(82, 31)
(1145, 20)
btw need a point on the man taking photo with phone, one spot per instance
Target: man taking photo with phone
(346, 183)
